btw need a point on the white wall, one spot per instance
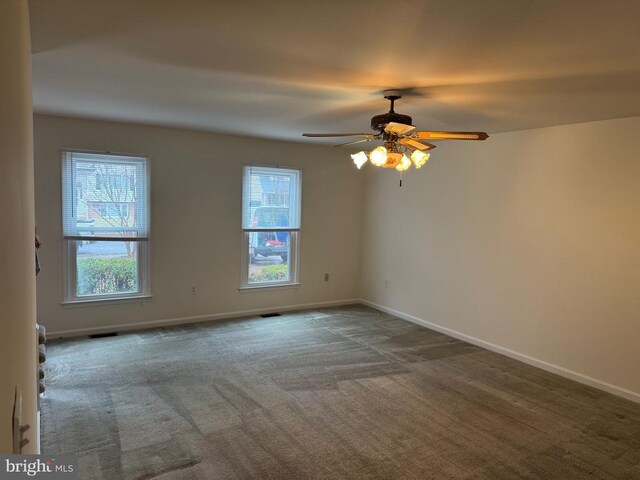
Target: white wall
(529, 241)
(196, 191)
(17, 271)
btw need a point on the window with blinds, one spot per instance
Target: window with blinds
(105, 223)
(271, 213)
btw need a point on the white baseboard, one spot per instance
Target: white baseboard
(195, 319)
(564, 372)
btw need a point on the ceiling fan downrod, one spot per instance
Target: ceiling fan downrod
(392, 95)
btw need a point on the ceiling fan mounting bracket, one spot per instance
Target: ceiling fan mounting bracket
(392, 94)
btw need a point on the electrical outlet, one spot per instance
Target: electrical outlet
(193, 290)
(386, 284)
(326, 277)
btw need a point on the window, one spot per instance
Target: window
(270, 226)
(105, 222)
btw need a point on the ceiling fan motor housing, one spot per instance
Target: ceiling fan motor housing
(380, 121)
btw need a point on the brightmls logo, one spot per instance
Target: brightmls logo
(57, 467)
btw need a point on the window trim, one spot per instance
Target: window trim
(69, 258)
(294, 246)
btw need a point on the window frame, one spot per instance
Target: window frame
(69, 255)
(293, 258)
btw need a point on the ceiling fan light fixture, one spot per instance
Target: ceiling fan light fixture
(404, 164)
(419, 158)
(360, 159)
(378, 156)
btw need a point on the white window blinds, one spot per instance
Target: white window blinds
(271, 199)
(104, 196)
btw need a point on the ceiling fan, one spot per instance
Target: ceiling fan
(399, 139)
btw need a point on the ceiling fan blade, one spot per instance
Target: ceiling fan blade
(354, 142)
(336, 134)
(416, 144)
(451, 135)
(398, 128)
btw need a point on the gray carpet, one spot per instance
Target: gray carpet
(342, 393)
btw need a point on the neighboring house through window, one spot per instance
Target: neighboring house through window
(105, 225)
(271, 226)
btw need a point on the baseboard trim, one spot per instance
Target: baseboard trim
(550, 367)
(122, 327)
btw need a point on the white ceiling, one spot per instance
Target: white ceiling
(279, 68)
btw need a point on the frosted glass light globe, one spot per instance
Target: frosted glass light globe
(378, 156)
(359, 159)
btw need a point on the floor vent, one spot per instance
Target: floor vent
(269, 315)
(103, 335)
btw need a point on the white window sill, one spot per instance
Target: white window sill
(96, 302)
(266, 287)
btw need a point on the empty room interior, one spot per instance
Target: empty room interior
(320, 240)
